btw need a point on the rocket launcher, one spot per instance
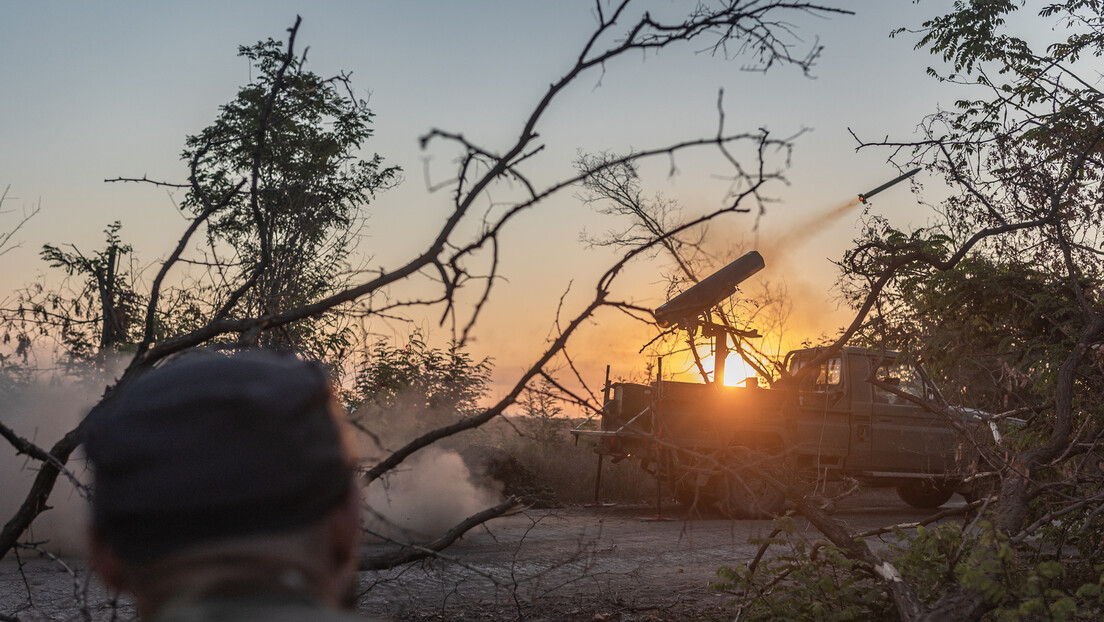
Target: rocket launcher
(700, 298)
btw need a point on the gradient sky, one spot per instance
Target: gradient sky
(98, 90)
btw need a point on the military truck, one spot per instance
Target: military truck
(852, 414)
(831, 424)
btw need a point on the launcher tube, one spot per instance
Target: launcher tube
(710, 291)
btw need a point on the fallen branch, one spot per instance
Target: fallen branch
(938, 516)
(414, 552)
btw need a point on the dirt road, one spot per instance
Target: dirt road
(610, 563)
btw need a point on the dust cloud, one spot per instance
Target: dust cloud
(425, 496)
(42, 413)
(429, 492)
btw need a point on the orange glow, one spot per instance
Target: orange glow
(736, 370)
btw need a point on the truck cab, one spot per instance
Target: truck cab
(869, 432)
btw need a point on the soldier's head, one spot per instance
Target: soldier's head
(218, 472)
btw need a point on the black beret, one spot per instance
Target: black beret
(209, 447)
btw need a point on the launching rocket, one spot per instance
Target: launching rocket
(866, 195)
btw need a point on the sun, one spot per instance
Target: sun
(736, 370)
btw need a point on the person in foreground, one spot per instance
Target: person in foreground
(225, 489)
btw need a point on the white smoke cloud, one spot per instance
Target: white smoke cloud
(425, 496)
(431, 491)
(43, 413)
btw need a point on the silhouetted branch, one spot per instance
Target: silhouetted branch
(414, 552)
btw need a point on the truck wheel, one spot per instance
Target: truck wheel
(925, 494)
(741, 493)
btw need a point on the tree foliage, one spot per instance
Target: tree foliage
(542, 412)
(447, 380)
(94, 314)
(993, 333)
(107, 291)
(15, 343)
(297, 138)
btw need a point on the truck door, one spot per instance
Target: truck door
(905, 437)
(859, 457)
(821, 431)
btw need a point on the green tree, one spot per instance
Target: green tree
(432, 379)
(543, 409)
(108, 292)
(95, 313)
(15, 372)
(297, 138)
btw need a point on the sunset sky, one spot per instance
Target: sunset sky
(98, 90)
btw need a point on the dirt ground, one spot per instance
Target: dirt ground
(582, 563)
